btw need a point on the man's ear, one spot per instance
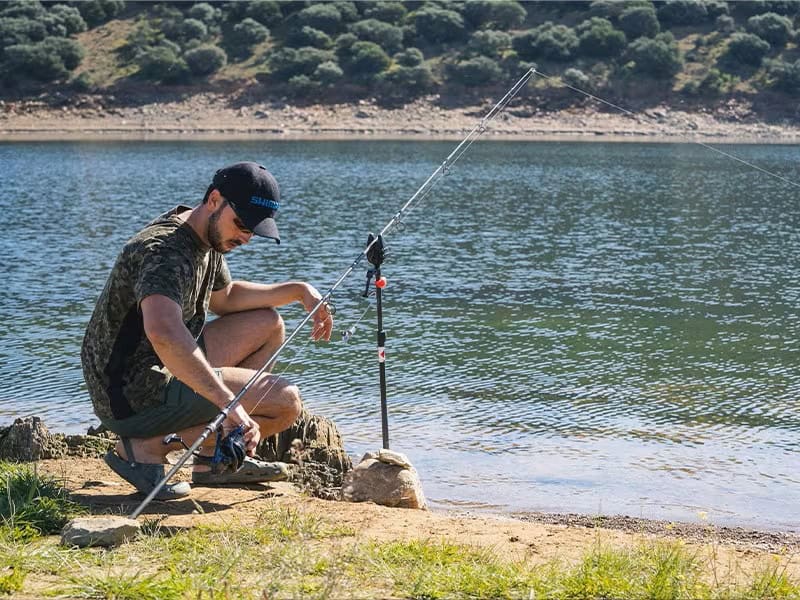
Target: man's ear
(215, 200)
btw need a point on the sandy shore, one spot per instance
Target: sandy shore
(214, 116)
(531, 537)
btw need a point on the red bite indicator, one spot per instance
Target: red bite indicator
(381, 283)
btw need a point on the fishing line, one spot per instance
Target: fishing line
(420, 194)
(638, 117)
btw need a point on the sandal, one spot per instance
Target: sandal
(144, 476)
(252, 471)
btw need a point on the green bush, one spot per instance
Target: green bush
(48, 60)
(785, 76)
(285, 63)
(20, 30)
(203, 11)
(683, 12)
(387, 36)
(547, 41)
(328, 73)
(496, 14)
(716, 82)
(477, 71)
(577, 79)
(308, 36)
(438, 25)
(162, 64)
(639, 21)
(64, 20)
(192, 29)
(772, 27)
(725, 24)
(598, 38)
(23, 9)
(205, 60)
(70, 51)
(717, 8)
(657, 57)
(365, 60)
(489, 43)
(410, 57)
(266, 12)
(302, 85)
(243, 36)
(745, 48)
(325, 17)
(403, 82)
(389, 12)
(347, 9)
(96, 12)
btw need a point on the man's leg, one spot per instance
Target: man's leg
(245, 339)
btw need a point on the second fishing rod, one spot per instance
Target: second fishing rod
(421, 193)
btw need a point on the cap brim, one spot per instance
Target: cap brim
(268, 229)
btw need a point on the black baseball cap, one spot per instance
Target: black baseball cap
(253, 194)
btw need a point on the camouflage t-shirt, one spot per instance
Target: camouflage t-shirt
(122, 371)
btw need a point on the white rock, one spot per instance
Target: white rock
(387, 484)
(391, 457)
(99, 531)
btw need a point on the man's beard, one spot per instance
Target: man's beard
(214, 236)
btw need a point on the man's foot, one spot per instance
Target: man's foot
(145, 476)
(252, 471)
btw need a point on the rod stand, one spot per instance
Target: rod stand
(375, 256)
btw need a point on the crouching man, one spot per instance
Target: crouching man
(151, 364)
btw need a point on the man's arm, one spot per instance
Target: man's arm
(238, 296)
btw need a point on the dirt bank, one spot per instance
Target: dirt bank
(534, 537)
(217, 116)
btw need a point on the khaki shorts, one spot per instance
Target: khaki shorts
(181, 408)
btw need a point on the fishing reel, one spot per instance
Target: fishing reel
(229, 451)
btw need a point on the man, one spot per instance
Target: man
(152, 365)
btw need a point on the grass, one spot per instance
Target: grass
(31, 503)
(287, 553)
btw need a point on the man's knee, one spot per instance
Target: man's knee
(271, 323)
(292, 402)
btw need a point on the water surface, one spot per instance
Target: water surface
(598, 328)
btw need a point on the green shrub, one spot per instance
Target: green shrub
(438, 25)
(716, 82)
(203, 11)
(725, 24)
(29, 501)
(20, 30)
(302, 85)
(717, 8)
(347, 10)
(325, 17)
(785, 76)
(389, 12)
(639, 21)
(489, 43)
(266, 12)
(308, 36)
(410, 57)
(328, 73)
(387, 36)
(477, 71)
(598, 38)
(205, 60)
(192, 29)
(548, 41)
(285, 63)
(64, 20)
(657, 57)
(23, 9)
(683, 12)
(745, 48)
(243, 36)
(577, 79)
(96, 12)
(404, 82)
(496, 14)
(34, 61)
(365, 60)
(772, 27)
(70, 51)
(162, 64)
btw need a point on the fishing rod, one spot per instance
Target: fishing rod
(421, 193)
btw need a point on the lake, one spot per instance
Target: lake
(595, 328)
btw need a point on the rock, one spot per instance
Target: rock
(29, 440)
(362, 114)
(315, 445)
(261, 114)
(99, 531)
(390, 457)
(388, 484)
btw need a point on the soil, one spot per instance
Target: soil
(536, 537)
(220, 116)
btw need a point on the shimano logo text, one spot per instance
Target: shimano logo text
(266, 203)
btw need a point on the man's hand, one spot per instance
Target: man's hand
(252, 432)
(323, 320)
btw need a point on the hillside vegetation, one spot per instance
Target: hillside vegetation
(702, 50)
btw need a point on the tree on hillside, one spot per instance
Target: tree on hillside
(494, 14)
(389, 12)
(745, 48)
(547, 41)
(657, 57)
(683, 12)
(489, 43)
(205, 60)
(387, 36)
(639, 21)
(772, 27)
(598, 38)
(438, 25)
